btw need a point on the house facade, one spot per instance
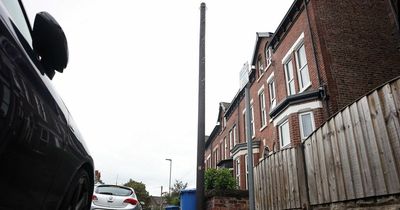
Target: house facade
(322, 57)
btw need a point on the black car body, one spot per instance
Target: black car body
(44, 163)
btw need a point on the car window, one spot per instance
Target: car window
(113, 190)
(18, 18)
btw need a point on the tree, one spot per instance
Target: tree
(174, 197)
(140, 190)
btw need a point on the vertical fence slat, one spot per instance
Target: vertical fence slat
(312, 187)
(286, 202)
(322, 165)
(271, 185)
(257, 187)
(372, 147)
(364, 162)
(302, 191)
(382, 137)
(291, 178)
(353, 154)
(393, 121)
(329, 164)
(317, 168)
(261, 179)
(344, 158)
(275, 182)
(280, 181)
(338, 166)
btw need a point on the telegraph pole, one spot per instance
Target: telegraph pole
(201, 112)
(244, 83)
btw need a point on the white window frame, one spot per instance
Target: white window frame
(226, 148)
(263, 108)
(235, 139)
(231, 139)
(268, 56)
(280, 134)
(247, 171)
(260, 66)
(238, 171)
(304, 67)
(303, 137)
(252, 123)
(216, 156)
(272, 91)
(289, 81)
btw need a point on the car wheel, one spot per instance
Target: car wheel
(78, 197)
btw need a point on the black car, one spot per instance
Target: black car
(44, 163)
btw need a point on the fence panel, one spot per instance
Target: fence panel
(355, 154)
(283, 175)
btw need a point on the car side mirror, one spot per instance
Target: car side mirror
(50, 43)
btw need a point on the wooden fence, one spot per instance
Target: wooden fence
(278, 181)
(355, 154)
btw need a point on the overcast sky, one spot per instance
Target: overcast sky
(132, 80)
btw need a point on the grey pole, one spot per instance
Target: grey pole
(250, 181)
(170, 170)
(201, 113)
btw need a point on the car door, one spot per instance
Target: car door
(28, 155)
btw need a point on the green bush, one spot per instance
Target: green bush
(219, 179)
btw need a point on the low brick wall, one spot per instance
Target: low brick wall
(227, 200)
(376, 203)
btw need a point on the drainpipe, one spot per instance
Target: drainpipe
(322, 87)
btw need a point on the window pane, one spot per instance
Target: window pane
(18, 18)
(284, 134)
(306, 122)
(301, 56)
(305, 79)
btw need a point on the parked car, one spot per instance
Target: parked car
(115, 197)
(44, 162)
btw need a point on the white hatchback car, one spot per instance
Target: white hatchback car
(114, 197)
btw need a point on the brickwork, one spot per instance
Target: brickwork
(360, 43)
(227, 203)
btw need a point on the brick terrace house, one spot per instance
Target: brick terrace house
(323, 56)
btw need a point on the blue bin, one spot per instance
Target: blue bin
(172, 208)
(188, 199)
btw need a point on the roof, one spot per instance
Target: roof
(257, 45)
(286, 21)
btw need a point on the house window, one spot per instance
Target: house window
(302, 68)
(306, 124)
(252, 122)
(247, 171)
(268, 56)
(235, 139)
(289, 78)
(252, 133)
(224, 122)
(238, 171)
(225, 149)
(231, 139)
(263, 111)
(284, 134)
(260, 65)
(272, 97)
(216, 155)
(222, 152)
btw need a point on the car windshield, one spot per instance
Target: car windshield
(113, 190)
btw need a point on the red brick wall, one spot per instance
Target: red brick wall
(358, 45)
(227, 203)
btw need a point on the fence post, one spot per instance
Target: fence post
(301, 174)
